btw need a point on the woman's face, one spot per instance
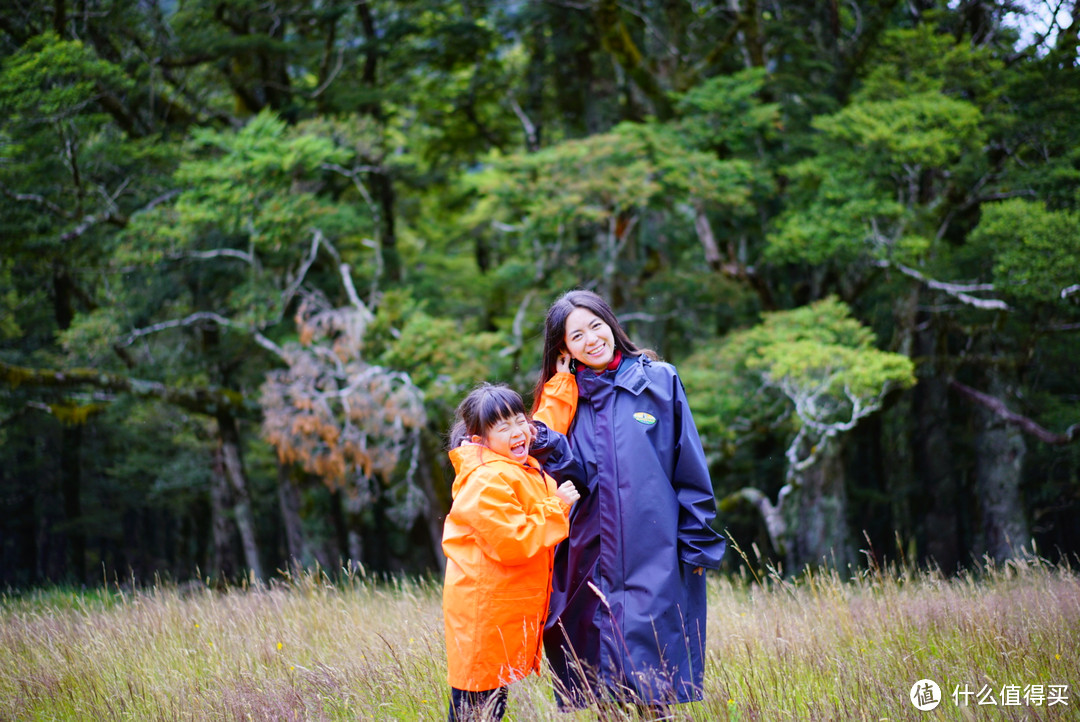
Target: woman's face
(589, 340)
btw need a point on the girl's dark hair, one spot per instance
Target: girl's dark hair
(555, 333)
(482, 408)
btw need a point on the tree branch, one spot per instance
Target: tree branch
(35, 199)
(516, 327)
(217, 253)
(287, 296)
(1028, 426)
(532, 137)
(615, 38)
(957, 290)
(771, 514)
(200, 399)
(201, 317)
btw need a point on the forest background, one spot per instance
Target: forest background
(254, 253)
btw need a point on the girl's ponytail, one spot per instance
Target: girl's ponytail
(458, 434)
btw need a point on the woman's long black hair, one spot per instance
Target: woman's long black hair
(555, 332)
(485, 405)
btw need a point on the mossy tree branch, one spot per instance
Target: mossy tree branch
(209, 400)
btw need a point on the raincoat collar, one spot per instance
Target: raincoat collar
(630, 375)
(470, 457)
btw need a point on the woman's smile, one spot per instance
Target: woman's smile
(589, 340)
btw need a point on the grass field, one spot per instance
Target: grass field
(303, 648)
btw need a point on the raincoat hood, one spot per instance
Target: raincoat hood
(469, 457)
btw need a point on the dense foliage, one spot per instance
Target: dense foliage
(254, 254)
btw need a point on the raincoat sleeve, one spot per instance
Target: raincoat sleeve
(553, 452)
(699, 544)
(507, 531)
(558, 402)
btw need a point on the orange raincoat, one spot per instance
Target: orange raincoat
(499, 539)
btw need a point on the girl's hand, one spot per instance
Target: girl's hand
(567, 492)
(562, 364)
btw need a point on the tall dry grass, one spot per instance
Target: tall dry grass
(303, 648)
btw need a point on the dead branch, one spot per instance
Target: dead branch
(518, 324)
(532, 138)
(959, 291)
(202, 317)
(217, 253)
(771, 514)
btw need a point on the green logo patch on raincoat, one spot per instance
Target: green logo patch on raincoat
(644, 418)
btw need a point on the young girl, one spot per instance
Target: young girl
(499, 538)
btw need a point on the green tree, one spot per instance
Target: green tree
(825, 365)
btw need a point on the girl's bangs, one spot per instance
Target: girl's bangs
(498, 403)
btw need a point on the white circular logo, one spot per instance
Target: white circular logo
(925, 694)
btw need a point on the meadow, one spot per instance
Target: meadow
(309, 647)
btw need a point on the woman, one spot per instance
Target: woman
(627, 616)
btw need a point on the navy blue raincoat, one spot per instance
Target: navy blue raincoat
(627, 616)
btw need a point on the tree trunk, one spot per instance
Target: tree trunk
(341, 527)
(354, 530)
(819, 531)
(437, 505)
(534, 94)
(391, 257)
(289, 500)
(999, 462)
(233, 463)
(71, 491)
(25, 522)
(224, 561)
(616, 40)
(381, 181)
(923, 483)
(70, 443)
(932, 451)
(939, 487)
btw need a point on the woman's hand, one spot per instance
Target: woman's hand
(562, 364)
(567, 492)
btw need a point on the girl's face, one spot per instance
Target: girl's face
(509, 436)
(589, 340)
